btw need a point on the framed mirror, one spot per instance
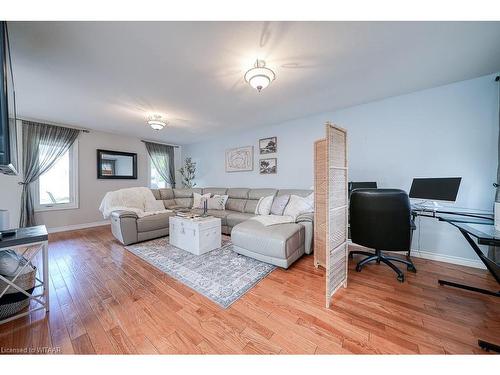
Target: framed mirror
(116, 165)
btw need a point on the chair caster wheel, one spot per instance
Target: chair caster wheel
(358, 269)
(378, 261)
(411, 269)
(401, 278)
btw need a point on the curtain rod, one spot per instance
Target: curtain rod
(83, 130)
(160, 143)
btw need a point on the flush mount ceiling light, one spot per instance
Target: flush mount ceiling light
(259, 77)
(156, 122)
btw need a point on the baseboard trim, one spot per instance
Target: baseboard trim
(437, 257)
(448, 259)
(78, 226)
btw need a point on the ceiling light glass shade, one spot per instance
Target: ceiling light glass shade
(156, 122)
(259, 77)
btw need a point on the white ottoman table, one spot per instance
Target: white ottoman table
(198, 236)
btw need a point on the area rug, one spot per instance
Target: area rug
(221, 275)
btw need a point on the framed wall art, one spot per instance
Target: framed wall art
(268, 166)
(239, 159)
(268, 145)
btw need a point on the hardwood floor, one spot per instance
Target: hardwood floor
(104, 299)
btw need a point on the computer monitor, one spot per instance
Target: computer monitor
(435, 189)
(361, 185)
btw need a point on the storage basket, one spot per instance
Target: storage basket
(14, 301)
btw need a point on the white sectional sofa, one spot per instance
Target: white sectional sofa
(279, 244)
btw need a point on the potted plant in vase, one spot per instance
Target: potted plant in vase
(188, 173)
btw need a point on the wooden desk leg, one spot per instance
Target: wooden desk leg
(45, 257)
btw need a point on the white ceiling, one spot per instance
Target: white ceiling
(109, 75)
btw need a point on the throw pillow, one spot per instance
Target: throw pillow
(217, 202)
(198, 199)
(264, 205)
(279, 204)
(297, 206)
(310, 200)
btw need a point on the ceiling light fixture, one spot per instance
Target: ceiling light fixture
(259, 77)
(156, 122)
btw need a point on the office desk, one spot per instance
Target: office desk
(474, 226)
(485, 234)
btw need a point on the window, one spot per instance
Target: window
(157, 181)
(56, 189)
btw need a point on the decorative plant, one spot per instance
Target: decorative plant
(188, 173)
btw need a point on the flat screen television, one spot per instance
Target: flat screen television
(8, 133)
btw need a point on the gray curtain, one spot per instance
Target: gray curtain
(494, 251)
(497, 184)
(57, 140)
(162, 157)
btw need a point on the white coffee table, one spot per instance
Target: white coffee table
(198, 236)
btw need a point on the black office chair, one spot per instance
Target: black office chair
(381, 219)
(352, 185)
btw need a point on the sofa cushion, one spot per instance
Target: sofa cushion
(199, 199)
(221, 214)
(236, 204)
(166, 194)
(153, 222)
(184, 202)
(264, 205)
(169, 203)
(186, 192)
(235, 218)
(276, 241)
(238, 193)
(259, 193)
(217, 202)
(299, 205)
(153, 205)
(156, 193)
(251, 205)
(254, 196)
(279, 204)
(299, 192)
(215, 191)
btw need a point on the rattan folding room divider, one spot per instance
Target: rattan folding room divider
(337, 210)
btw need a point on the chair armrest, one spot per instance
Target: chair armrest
(121, 214)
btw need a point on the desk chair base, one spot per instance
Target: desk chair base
(378, 257)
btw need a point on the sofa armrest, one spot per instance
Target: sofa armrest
(305, 217)
(124, 226)
(124, 214)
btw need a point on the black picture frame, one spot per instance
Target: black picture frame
(268, 145)
(102, 176)
(268, 166)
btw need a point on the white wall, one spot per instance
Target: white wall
(10, 190)
(10, 195)
(91, 189)
(445, 131)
